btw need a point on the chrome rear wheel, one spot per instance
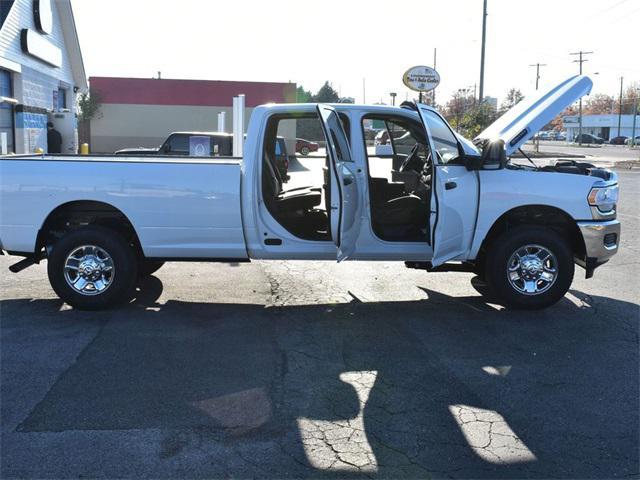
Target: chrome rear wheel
(89, 270)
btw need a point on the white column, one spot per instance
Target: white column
(222, 120)
(238, 125)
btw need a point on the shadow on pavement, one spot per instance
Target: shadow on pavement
(443, 386)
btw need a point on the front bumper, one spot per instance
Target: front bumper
(601, 240)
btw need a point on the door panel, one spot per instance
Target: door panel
(455, 193)
(344, 194)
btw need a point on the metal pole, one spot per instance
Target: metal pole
(635, 117)
(364, 97)
(433, 92)
(620, 106)
(580, 61)
(484, 41)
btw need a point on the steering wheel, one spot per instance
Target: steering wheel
(412, 162)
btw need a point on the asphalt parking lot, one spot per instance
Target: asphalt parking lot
(312, 369)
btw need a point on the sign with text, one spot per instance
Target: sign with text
(421, 78)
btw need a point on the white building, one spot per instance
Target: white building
(604, 126)
(41, 71)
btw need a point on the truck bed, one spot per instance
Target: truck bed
(181, 207)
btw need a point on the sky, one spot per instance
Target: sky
(346, 41)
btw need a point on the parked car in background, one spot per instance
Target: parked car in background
(189, 144)
(304, 147)
(588, 138)
(544, 135)
(635, 142)
(557, 136)
(619, 140)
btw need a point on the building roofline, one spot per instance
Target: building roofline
(72, 43)
(99, 77)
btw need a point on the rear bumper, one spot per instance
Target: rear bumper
(601, 241)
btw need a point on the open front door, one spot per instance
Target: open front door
(454, 202)
(344, 201)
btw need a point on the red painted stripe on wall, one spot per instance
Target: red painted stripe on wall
(214, 93)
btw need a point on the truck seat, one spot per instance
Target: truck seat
(408, 209)
(304, 198)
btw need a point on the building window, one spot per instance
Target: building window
(62, 99)
(6, 110)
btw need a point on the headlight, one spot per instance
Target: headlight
(605, 198)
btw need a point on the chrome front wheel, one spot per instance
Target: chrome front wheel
(532, 269)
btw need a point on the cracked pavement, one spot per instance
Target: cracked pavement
(315, 369)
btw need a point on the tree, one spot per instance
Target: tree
(631, 94)
(457, 106)
(326, 94)
(600, 104)
(88, 106)
(556, 123)
(302, 95)
(514, 95)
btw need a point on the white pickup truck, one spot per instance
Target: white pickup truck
(443, 204)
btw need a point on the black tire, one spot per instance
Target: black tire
(500, 253)
(124, 268)
(148, 267)
(304, 151)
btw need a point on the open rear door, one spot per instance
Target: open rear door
(345, 215)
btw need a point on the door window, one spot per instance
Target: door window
(445, 142)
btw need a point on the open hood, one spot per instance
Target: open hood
(522, 121)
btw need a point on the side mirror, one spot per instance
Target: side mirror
(166, 148)
(493, 157)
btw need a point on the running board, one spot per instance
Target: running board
(22, 264)
(445, 267)
(27, 262)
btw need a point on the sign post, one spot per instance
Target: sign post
(421, 79)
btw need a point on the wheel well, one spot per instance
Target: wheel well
(72, 215)
(543, 215)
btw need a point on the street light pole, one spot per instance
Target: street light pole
(620, 106)
(393, 98)
(484, 41)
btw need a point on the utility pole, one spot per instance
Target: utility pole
(364, 97)
(620, 106)
(538, 65)
(536, 141)
(433, 92)
(580, 61)
(393, 98)
(484, 41)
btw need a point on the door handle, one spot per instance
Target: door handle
(347, 181)
(450, 185)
